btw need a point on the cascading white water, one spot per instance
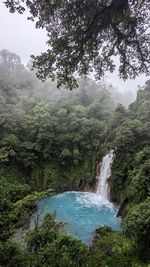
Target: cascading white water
(105, 172)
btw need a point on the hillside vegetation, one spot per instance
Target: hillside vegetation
(51, 139)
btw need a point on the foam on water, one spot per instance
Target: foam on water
(91, 199)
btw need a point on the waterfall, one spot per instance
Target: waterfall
(105, 172)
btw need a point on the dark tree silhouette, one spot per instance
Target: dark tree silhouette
(87, 35)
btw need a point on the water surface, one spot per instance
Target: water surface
(82, 213)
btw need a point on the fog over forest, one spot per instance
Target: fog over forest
(48, 91)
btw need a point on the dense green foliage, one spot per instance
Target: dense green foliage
(48, 138)
(47, 246)
(87, 35)
(130, 180)
(52, 139)
(114, 249)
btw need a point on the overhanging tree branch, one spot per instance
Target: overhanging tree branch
(86, 35)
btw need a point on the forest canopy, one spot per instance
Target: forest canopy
(86, 36)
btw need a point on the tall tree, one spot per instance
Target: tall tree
(86, 35)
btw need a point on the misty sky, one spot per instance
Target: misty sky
(19, 35)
